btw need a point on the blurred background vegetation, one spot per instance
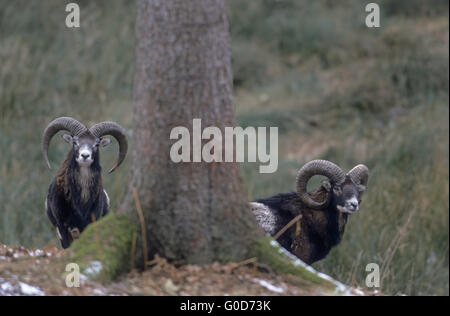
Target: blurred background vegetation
(336, 89)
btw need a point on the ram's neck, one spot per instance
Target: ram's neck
(87, 184)
(336, 225)
(342, 221)
(85, 181)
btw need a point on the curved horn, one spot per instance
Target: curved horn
(317, 167)
(359, 174)
(118, 132)
(69, 124)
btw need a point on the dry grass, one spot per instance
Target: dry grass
(335, 90)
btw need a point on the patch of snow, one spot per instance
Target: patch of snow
(83, 278)
(30, 290)
(93, 269)
(269, 286)
(98, 292)
(17, 255)
(6, 287)
(36, 253)
(340, 288)
(358, 292)
(22, 289)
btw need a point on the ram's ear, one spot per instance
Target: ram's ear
(68, 138)
(326, 184)
(105, 142)
(361, 188)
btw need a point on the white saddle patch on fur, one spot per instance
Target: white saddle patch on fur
(264, 216)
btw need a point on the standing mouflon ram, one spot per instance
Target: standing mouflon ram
(324, 211)
(76, 194)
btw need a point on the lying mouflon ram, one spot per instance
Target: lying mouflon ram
(76, 194)
(324, 211)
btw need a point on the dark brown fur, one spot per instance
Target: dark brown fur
(65, 207)
(320, 230)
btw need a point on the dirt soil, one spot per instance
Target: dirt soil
(25, 272)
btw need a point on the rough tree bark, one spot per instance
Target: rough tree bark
(196, 212)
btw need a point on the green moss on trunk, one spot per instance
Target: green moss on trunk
(269, 252)
(107, 241)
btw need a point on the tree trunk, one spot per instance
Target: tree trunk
(196, 212)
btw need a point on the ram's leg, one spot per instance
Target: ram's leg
(107, 201)
(75, 233)
(102, 206)
(64, 237)
(50, 214)
(60, 230)
(58, 234)
(53, 220)
(74, 226)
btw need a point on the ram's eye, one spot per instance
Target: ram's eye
(337, 191)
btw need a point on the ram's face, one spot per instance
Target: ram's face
(348, 196)
(86, 148)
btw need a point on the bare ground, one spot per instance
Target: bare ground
(42, 272)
